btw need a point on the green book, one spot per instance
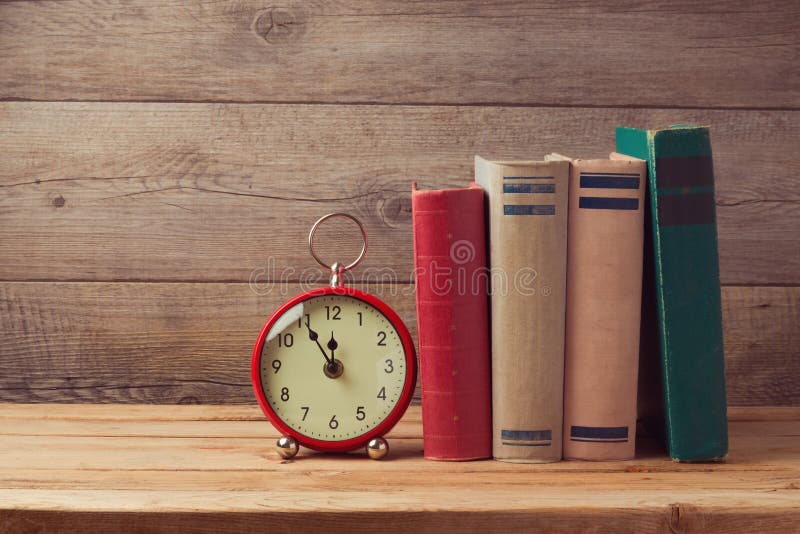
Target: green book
(685, 280)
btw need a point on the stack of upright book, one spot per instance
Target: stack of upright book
(593, 270)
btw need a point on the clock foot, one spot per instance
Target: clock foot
(287, 447)
(377, 448)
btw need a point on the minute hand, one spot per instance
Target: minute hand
(313, 336)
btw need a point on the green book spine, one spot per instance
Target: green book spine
(686, 269)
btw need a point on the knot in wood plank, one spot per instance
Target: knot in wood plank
(278, 24)
(395, 210)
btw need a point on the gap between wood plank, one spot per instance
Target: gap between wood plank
(407, 104)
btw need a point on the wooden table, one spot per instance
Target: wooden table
(106, 468)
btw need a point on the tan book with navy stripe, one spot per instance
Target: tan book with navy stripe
(527, 254)
(604, 288)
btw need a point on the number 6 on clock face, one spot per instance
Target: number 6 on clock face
(333, 368)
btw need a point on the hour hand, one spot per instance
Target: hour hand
(332, 345)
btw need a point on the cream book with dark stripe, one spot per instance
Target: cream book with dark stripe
(527, 214)
(604, 294)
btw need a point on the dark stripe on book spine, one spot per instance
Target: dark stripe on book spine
(609, 182)
(527, 177)
(692, 208)
(529, 188)
(606, 203)
(529, 209)
(518, 444)
(601, 432)
(599, 440)
(636, 174)
(526, 435)
(689, 171)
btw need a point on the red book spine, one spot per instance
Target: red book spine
(453, 322)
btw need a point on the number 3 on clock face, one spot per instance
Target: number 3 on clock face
(334, 368)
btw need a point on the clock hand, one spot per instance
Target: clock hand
(332, 344)
(334, 368)
(313, 336)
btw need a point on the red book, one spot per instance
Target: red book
(453, 322)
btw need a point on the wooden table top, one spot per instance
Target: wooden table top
(106, 468)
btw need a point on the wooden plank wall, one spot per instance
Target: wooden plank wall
(161, 163)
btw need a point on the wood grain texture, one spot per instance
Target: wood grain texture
(688, 53)
(145, 236)
(61, 471)
(141, 342)
(191, 342)
(758, 323)
(208, 192)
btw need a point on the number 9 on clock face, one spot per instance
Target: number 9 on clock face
(334, 368)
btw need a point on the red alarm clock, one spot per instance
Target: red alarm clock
(334, 368)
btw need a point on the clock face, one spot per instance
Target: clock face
(333, 368)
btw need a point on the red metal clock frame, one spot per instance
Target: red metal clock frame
(390, 420)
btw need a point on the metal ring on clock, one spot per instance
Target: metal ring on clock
(331, 216)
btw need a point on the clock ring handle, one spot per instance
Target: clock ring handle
(337, 269)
